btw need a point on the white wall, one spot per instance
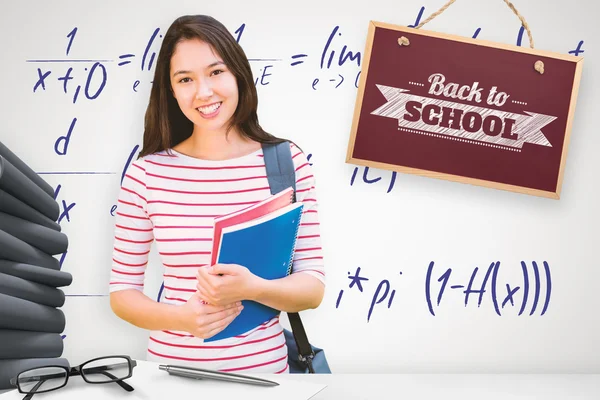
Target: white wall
(420, 220)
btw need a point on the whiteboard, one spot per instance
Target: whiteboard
(408, 235)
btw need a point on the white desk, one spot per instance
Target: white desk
(150, 383)
(456, 386)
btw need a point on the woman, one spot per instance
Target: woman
(202, 158)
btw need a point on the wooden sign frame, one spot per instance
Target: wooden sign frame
(362, 122)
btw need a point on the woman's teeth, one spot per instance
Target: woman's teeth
(209, 109)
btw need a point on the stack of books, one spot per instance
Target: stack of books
(31, 321)
(261, 238)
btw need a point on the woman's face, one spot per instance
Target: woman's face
(205, 89)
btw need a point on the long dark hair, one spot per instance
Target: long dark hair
(165, 125)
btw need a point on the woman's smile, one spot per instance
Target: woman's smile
(211, 110)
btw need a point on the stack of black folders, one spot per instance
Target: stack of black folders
(31, 322)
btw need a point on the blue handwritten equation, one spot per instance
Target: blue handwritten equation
(87, 79)
(531, 295)
(501, 293)
(92, 80)
(334, 53)
(370, 181)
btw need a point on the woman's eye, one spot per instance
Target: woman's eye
(217, 72)
(184, 80)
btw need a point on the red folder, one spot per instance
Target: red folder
(260, 209)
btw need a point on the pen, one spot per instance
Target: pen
(198, 373)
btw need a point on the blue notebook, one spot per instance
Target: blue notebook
(266, 247)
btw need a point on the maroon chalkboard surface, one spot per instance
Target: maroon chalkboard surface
(464, 109)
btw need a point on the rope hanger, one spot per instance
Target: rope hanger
(538, 66)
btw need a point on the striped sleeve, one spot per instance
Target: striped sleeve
(133, 232)
(308, 257)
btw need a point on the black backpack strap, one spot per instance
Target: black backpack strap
(281, 175)
(305, 352)
(280, 167)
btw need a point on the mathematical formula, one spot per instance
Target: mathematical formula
(530, 295)
(86, 80)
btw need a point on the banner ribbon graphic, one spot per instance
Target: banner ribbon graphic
(526, 129)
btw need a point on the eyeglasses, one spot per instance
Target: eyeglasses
(99, 370)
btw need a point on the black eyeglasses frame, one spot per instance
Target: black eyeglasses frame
(77, 370)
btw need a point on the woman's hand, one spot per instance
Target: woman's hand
(223, 284)
(206, 320)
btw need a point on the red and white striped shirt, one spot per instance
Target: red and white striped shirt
(172, 200)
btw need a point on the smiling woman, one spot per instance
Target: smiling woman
(205, 90)
(202, 158)
(200, 65)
